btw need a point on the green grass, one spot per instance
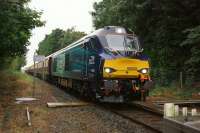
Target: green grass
(19, 75)
(174, 92)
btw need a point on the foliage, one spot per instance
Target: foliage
(17, 63)
(19, 75)
(192, 43)
(163, 28)
(58, 39)
(51, 43)
(16, 22)
(174, 93)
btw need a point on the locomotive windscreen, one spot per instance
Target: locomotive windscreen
(122, 43)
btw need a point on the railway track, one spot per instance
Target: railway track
(147, 115)
(140, 114)
(135, 112)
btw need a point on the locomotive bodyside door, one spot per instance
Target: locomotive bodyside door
(91, 60)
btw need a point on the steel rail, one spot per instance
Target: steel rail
(136, 121)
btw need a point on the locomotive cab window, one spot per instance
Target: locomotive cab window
(94, 44)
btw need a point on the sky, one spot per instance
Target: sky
(61, 14)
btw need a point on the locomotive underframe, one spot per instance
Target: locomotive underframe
(107, 90)
(122, 90)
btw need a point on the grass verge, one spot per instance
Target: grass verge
(173, 92)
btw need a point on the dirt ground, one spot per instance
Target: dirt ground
(85, 119)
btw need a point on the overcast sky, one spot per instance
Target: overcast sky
(62, 14)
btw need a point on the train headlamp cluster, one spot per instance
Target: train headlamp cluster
(120, 30)
(144, 70)
(109, 70)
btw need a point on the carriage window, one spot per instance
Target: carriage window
(66, 61)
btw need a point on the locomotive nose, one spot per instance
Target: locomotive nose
(125, 68)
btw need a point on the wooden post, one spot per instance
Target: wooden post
(28, 116)
(181, 80)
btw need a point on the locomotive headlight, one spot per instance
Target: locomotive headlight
(120, 30)
(109, 70)
(144, 71)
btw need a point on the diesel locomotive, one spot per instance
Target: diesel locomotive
(107, 65)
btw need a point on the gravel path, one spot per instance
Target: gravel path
(85, 119)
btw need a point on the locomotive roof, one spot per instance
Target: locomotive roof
(99, 32)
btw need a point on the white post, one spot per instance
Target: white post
(176, 110)
(194, 112)
(169, 110)
(185, 111)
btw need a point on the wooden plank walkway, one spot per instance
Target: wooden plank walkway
(67, 104)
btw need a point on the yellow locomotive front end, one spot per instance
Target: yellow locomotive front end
(125, 68)
(126, 79)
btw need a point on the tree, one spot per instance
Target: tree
(58, 39)
(161, 26)
(70, 36)
(16, 22)
(192, 43)
(17, 62)
(51, 43)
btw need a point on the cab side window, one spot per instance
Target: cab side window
(94, 45)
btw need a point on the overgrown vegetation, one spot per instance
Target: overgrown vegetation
(57, 40)
(16, 22)
(169, 30)
(11, 83)
(19, 75)
(172, 92)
